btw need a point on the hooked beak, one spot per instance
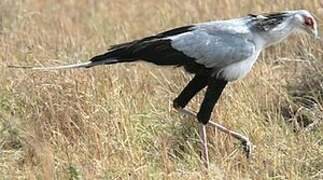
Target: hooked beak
(316, 34)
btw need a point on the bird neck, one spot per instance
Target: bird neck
(278, 33)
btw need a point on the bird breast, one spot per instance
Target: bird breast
(237, 70)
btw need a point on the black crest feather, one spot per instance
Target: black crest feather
(268, 21)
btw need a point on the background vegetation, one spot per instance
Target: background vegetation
(117, 122)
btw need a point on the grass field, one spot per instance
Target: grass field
(117, 122)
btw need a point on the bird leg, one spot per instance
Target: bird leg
(204, 148)
(247, 145)
(191, 89)
(215, 88)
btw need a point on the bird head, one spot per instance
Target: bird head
(306, 22)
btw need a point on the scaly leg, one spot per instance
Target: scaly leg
(247, 145)
(204, 148)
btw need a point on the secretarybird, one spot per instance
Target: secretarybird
(216, 52)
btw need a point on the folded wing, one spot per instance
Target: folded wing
(216, 49)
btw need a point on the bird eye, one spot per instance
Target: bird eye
(309, 21)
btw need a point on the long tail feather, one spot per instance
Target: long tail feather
(69, 66)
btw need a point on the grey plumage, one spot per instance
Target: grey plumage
(215, 47)
(204, 46)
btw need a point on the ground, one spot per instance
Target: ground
(117, 122)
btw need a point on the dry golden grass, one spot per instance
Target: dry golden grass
(117, 122)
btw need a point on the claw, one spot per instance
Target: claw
(247, 147)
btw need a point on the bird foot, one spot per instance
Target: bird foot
(247, 147)
(246, 143)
